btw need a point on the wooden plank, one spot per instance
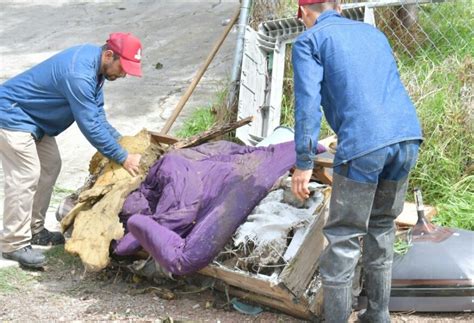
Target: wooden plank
(163, 138)
(298, 273)
(322, 175)
(409, 216)
(299, 310)
(259, 284)
(212, 133)
(316, 304)
(322, 171)
(329, 142)
(324, 161)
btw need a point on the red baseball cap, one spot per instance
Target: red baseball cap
(305, 2)
(129, 48)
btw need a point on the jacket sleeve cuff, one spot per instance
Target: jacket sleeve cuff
(304, 163)
(121, 157)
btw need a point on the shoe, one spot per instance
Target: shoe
(27, 257)
(47, 238)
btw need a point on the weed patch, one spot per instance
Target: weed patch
(60, 259)
(13, 279)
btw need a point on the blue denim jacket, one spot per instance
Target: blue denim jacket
(50, 96)
(348, 68)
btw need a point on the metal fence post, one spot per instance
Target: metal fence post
(243, 21)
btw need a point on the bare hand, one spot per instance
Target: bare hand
(300, 182)
(132, 163)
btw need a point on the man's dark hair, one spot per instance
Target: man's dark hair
(106, 47)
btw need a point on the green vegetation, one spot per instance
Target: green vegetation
(200, 120)
(59, 194)
(62, 191)
(204, 118)
(13, 278)
(440, 82)
(58, 257)
(401, 246)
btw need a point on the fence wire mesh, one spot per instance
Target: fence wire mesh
(415, 28)
(426, 29)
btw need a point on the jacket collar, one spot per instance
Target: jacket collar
(98, 60)
(326, 14)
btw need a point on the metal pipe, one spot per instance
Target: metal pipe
(243, 22)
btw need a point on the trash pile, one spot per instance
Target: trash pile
(227, 212)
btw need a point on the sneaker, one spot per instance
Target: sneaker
(27, 257)
(47, 238)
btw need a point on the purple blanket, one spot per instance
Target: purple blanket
(193, 200)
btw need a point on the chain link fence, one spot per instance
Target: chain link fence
(425, 28)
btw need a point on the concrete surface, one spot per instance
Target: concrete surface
(177, 34)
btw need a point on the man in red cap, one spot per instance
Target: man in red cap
(347, 68)
(36, 106)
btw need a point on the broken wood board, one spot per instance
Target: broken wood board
(163, 138)
(284, 304)
(256, 283)
(409, 215)
(322, 175)
(322, 171)
(298, 273)
(212, 133)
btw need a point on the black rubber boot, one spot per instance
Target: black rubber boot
(378, 249)
(27, 257)
(349, 212)
(337, 303)
(47, 238)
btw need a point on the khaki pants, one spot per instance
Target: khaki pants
(30, 168)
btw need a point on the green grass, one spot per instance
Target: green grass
(203, 118)
(200, 120)
(59, 193)
(58, 257)
(439, 82)
(12, 279)
(62, 191)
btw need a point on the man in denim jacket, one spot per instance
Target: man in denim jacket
(36, 106)
(348, 68)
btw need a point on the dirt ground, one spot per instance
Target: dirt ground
(64, 292)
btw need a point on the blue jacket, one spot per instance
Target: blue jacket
(50, 96)
(348, 68)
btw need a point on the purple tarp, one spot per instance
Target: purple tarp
(193, 200)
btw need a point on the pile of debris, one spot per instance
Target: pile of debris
(272, 257)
